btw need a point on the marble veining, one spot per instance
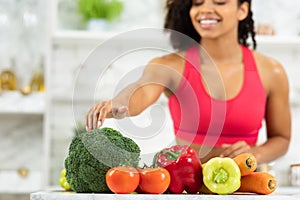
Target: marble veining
(74, 196)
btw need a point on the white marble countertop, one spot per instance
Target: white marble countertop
(286, 193)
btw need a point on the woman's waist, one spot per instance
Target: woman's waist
(212, 138)
(218, 132)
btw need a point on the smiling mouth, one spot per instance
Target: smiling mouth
(208, 21)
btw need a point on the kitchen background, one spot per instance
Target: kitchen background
(44, 43)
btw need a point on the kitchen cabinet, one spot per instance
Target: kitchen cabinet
(21, 144)
(22, 117)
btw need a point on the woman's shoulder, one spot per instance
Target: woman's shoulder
(171, 68)
(173, 60)
(271, 71)
(268, 64)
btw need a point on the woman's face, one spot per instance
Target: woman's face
(214, 18)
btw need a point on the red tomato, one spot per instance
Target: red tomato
(154, 180)
(123, 179)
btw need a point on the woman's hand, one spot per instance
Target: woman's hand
(232, 150)
(105, 109)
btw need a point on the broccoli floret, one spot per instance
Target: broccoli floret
(93, 153)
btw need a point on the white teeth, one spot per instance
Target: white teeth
(208, 21)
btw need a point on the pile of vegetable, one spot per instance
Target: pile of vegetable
(226, 175)
(105, 161)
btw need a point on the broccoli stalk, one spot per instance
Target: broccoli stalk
(92, 154)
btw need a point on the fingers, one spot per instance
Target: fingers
(104, 112)
(235, 149)
(96, 115)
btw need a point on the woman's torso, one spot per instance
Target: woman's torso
(233, 80)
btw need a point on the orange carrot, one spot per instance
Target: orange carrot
(258, 182)
(246, 162)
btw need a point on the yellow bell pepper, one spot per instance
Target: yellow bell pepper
(221, 175)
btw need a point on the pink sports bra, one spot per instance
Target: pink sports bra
(201, 119)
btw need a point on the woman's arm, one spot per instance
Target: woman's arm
(278, 117)
(136, 97)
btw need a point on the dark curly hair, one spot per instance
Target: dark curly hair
(178, 19)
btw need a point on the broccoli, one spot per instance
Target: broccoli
(93, 153)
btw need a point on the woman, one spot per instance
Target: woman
(254, 87)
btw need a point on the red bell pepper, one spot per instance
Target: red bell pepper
(184, 166)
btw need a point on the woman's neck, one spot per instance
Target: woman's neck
(223, 51)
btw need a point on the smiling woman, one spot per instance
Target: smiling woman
(233, 94)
